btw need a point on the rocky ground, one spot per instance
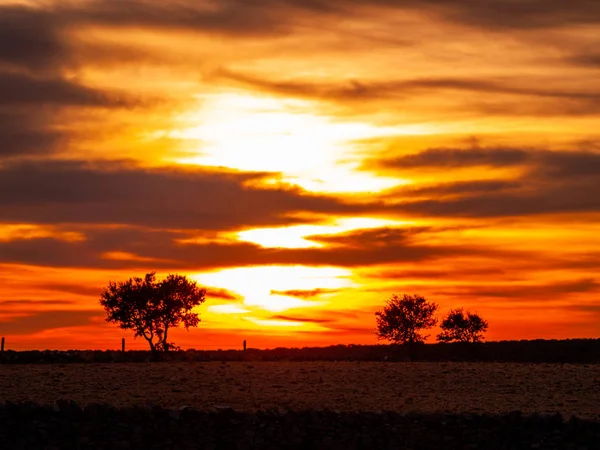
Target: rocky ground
(67, 426)
(345, 386)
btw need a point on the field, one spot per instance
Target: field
(345, 386)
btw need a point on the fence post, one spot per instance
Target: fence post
(244, 344)
(2, 345)
(123, 345)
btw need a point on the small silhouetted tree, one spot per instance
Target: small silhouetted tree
(462, 326)
(403, 318)
(151, 308)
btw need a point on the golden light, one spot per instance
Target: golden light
(267, 134)
(126, 256)
(296, 236)
(274, 323)
(227, 309)
(255, 284)
(10, 232)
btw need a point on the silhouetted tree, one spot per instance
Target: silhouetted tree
(151, 308)
(462, 326)
(402, 319)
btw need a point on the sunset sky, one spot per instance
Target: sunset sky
(303, 160)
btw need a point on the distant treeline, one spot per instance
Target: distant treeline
(536, 351)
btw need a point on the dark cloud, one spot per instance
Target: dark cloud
(361, 91)
(576, 261)
(372, 238)
(468, 272)
(47, 320)
(551, 292)
(299, 319)
(568, 164)
(565, 163)
(34, 90)
(550, 182)
(221, 294)
(460, 188)
(330, 319)
(27, 303)
(19, 89)
(31, 108)
(69, 288)
(27, 133)
(37, 31)
(585, 307)
(252, 16)
(516, 14)
(577, 197)
(456, 157)
(161, 249)
(590, 60)
(228, 17)
(31, 38)
(73, 192)
(305, 293)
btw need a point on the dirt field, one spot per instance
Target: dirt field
(427, 387)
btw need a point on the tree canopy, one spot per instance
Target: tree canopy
(462, 326)
(403, 318)
(151, 308)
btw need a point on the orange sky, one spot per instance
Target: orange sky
(303, 160)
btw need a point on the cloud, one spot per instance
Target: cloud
(550, 292)
(31, 38)
(527, 14)
(19, 89)
(70, 288)
(221, 294)
(34, 93)
(332, 320)
(549, 182)
(161, 249)
(40, 81)
(585, 307)
(305, 293)
(455, 157)
(47, 320)
(536, 200)
(31, 110)
(299, 319)
(551, 162)
(175, 198)
(454, 273)
(376, 90)
(49, 302)
(459, 188)
(239, 16)
(27, 133)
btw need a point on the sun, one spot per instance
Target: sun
(298, 236)
(255, 133)
(263, 286)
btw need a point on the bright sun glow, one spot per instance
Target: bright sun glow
(227, 309)
(296, 236)
(255, 284)
(268, 134)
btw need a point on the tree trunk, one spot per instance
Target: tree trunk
(153, 350)
(165, 343)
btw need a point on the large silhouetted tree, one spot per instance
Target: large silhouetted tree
(151, 308)
(403, 318)
(462, 326)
